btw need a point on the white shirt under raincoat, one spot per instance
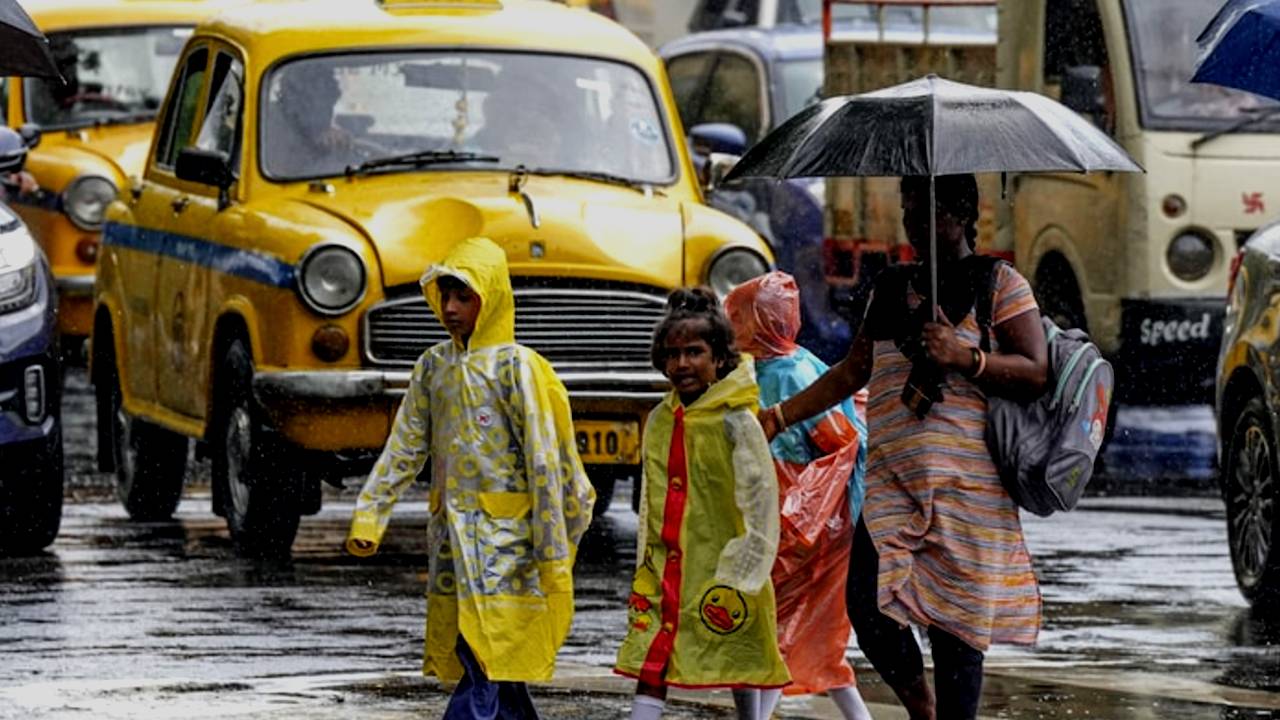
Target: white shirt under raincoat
(509, 499)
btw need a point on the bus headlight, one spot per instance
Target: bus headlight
(1190, 256)
(733, 267)
(331, 279)
(86, 199)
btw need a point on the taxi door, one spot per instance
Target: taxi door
(169, 208)
(152, 202)
(200, 221)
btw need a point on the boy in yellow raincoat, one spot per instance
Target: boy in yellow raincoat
(701, 612)
(509, 499)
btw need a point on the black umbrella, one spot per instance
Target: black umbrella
(932, 127)
(25, 51)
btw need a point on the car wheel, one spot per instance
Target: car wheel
(31, 501)
(1058, 294)
(260, 499)
(1249, 490)
(603, 478)
(150, 461)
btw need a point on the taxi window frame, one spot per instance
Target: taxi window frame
(264, 87)
(162, 118)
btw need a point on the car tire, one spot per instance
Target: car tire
(604, 479)
(1249, 488)
(31, 500)
(260, 499)
(150, 461)
(1058, 295)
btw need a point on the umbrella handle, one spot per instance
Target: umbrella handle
(933, 252)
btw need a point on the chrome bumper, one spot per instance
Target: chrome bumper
(339, 385)
(74, 285)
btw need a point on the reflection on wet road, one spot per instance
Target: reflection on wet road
(1142, 617)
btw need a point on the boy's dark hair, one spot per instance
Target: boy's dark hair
(955, 194)
(697, 303)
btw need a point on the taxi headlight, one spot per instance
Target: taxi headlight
(733, 267)
(86, 199)
(331, 279)
(17, 269)
(1190, 256)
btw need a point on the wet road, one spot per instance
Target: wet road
(121, 619)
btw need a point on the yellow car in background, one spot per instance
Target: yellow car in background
(116, 57)
(258, 289)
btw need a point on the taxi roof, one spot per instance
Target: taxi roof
(272, 29)
(56, 15)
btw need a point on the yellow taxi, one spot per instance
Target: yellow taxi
(258, 289)
(116, 57)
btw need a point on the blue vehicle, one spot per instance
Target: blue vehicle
(732, 87)
(30, 378)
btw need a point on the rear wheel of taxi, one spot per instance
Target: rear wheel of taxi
(150, 461)
(258, 490)
(1250, 490)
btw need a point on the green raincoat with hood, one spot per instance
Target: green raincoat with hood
(509, 499)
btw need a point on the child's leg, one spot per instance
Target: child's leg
(747, 702)
(477, 698)
(649, 701)
(850, 703)
(769, 702)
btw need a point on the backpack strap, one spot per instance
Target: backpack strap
(986, 276)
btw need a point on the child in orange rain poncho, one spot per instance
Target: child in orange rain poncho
(820, 465)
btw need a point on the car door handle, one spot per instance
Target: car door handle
(180, 203)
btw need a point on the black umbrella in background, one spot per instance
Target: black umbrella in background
(23, 48)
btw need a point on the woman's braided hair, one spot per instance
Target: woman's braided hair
(699, 305)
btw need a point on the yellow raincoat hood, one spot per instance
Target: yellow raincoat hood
(480, 264)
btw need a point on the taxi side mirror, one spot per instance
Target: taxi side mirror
(31, 135)
(207, 167)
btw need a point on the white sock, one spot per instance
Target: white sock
(769, 702)
(644, 707)
(850, 703)
(747, 702)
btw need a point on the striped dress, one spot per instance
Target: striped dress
(949, 537)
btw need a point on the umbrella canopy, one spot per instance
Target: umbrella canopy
(26, 51)
(932, 126)
(1240, 48)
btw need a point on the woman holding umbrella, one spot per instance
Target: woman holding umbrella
(940, 543)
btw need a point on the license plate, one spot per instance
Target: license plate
(603, 442)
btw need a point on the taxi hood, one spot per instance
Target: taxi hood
(123, 147)
(585, 229)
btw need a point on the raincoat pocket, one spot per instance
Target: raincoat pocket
(506, 505)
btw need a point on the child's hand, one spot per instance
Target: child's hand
(359, 547)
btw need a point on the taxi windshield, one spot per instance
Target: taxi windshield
(112, 75)
(323, 116)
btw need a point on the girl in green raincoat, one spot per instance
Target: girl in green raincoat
(509, 499)
(701, 612)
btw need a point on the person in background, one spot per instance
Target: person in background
(509, 500)
(701, 611)
(820, 465)
(941, 532)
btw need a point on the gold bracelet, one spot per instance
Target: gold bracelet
(777, 415)
(982, 364)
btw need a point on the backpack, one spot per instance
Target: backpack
(1045, 450)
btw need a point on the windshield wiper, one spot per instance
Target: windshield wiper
(420, 158)
(1256, 116)
(604, 177)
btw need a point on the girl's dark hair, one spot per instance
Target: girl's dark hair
(956, 195)
(697, 303)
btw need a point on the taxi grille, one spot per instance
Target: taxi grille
(575, 328)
